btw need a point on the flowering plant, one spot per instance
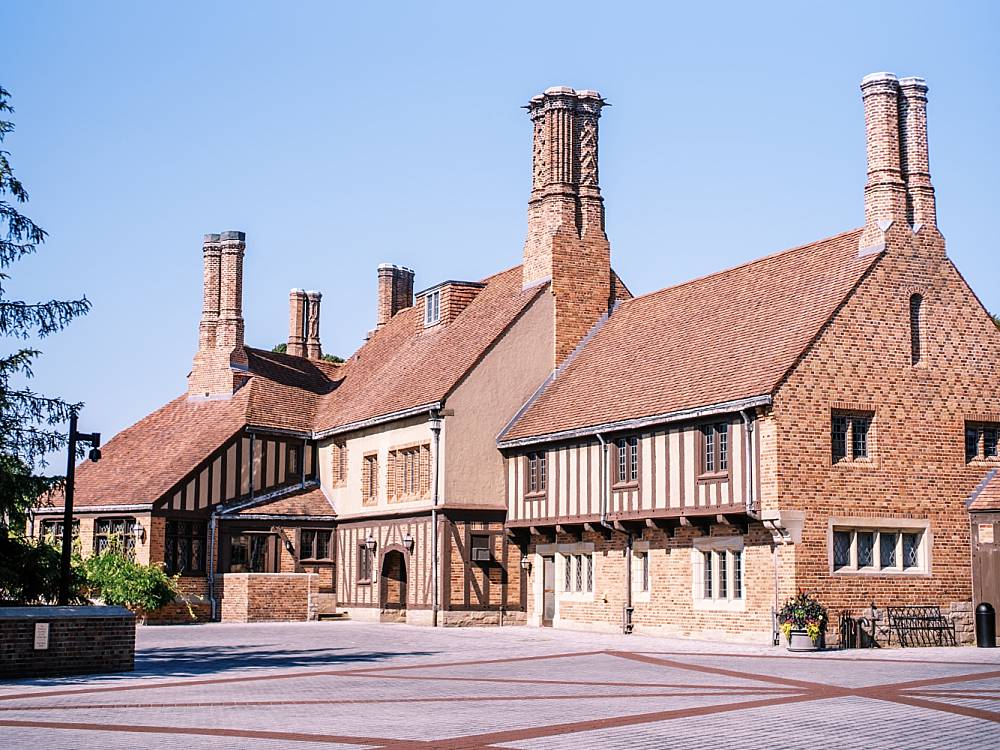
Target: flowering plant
(802, 612)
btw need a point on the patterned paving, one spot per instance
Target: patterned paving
(353, 685)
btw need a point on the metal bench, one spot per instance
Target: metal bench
(921, 625)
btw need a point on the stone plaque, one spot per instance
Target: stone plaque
(41, 636)
(986, 533)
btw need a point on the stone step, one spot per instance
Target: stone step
(333, 616)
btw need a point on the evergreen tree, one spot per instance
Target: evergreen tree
(29, 422)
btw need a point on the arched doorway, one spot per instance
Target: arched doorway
(392, 588)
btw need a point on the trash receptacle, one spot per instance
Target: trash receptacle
(986, 626)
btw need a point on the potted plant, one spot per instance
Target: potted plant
(803, 621)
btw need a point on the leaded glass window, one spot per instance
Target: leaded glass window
(887, 548)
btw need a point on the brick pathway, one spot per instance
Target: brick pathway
(354, 685)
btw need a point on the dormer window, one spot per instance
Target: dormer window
(432, 308)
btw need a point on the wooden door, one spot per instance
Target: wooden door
(548, 590)
(986, 559)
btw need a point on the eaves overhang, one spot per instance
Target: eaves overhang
(375, 421)
(636, 423)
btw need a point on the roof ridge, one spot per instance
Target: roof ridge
(745, 264)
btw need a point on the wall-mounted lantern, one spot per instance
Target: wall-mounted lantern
(370, 543)
(408, 542)
(526, 564)
(139, 531)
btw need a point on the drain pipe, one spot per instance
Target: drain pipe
(748, 422)
(213, 524)
(435, 425)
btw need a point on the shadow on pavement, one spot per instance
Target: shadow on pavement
(186, 660)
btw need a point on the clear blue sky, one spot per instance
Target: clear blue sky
(342, 135)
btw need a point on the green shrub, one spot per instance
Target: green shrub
(29, 572)
(120, 581)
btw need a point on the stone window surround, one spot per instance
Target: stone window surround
(981, 425)
(719, 544)
(563, 553)
(877, 523)
(640, 550)
(338, 461)
(855, 410)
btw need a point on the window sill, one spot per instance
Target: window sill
(624, 486)
(576, 596)
(857, 464)
(535, 495)
(715, 476)
(313, 561)
(720, 605)
(871, 572)
(365, 582)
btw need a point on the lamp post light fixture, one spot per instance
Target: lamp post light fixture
(93, 439)
(408, 542)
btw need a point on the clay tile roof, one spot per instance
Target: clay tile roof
(404, 366)
(308, 502)
(725, 337)
(987, 494)
(144, 461)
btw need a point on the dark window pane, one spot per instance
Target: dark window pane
(990, 443)
(738, 574)
(861, 426)
(568, 574)
(866, 549)
(916, 302)
(590, 572)
(911, 550)
(307, 542)
(707, 581)
(971, 443)
(723, 575)
(197, 555)
(887, 549)
(839, 438)
(841, 549)
(323, 545)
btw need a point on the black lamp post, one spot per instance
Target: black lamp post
(94, 440)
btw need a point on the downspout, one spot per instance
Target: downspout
(213, 524)
(435, 424)
(751, 501)
(776, 533)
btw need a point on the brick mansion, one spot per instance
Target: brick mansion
(540, 447)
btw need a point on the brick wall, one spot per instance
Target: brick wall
(82, 640)
(918, 468)
(268, 597)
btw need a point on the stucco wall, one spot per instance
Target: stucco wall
(488, 398)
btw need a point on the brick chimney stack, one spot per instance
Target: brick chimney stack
(395, 291)
(212, 253)
(296, 323)
(921, 207)
(899, 189)
(221, 362)
(566, 242)
(313, 348)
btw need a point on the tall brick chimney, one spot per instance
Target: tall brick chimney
(395, 291)
(220, 365)
(899, 189)
(296, 323)
(920, 204)
(566, 242)
(313, 348)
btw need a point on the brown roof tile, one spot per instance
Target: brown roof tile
(404, 365)
(309, 502)
(720, 338)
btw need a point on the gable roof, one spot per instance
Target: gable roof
(719, 339)
(406, 366)
(143, 462)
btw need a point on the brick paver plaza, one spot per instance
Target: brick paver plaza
(393, 686)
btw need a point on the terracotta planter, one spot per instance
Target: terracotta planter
(799, 640)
